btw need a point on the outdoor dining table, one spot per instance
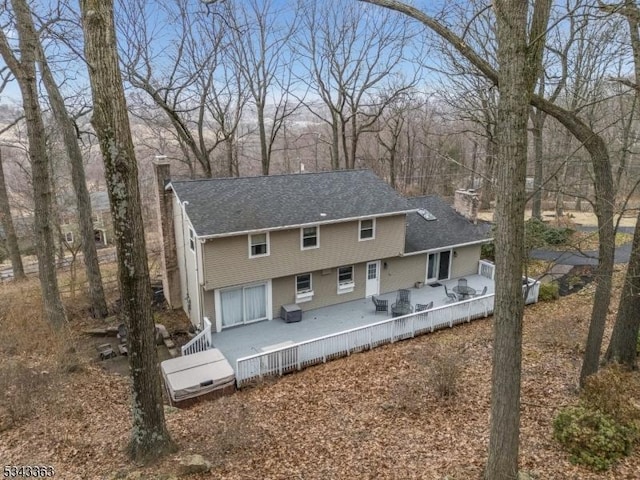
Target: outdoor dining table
(401, 308)
(464, 291)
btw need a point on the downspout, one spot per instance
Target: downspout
(198, 245)
(184, 256)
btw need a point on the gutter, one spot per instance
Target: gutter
(448, 247)
(302, 225)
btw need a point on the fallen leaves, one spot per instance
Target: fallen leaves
(333, 421)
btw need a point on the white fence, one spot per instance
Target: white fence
(31, 268)
(311, 352)
(200, 342)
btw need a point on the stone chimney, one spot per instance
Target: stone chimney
(171, 274)
(466, 203)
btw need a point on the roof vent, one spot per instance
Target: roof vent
(426, 214)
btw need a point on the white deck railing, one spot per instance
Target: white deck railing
(200, 342)
(486, 269)
(318, 350)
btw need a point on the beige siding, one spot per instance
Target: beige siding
(209, 306)
(403, 272)
(325, 288)
(465, 261)
(227, 262)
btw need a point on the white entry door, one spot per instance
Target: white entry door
(373, 278)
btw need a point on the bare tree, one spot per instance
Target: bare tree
(24, 71)
(594, 143)
(260, 42)
(194, 81)
(350, 59)
(69, 132)
(6, 220)
(150, 437)
(623, 344)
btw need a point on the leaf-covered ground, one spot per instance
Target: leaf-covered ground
(372, 415)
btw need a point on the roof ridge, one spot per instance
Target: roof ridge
(246, 177)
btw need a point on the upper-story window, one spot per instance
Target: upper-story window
(192, 240)
(259, 245)
(367, 229)
(68, 237)
(309, 237)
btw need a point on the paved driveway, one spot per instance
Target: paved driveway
(584, 258)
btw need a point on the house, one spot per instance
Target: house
(238, 249)
(101, 217)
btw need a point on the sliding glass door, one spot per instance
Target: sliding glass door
(243, 305)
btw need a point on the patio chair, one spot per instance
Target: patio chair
(381, 305)
(451, 295)
(421, 307)
(404, 296)
(484, 292)
(462, 282)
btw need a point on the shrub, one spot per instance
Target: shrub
(443, 375)
(549, 291)
(488, 251)
(557, 236)
(534, 231)
(4, 254)
(592, 438)
(538, 234)
(20, 386)
(612, 391)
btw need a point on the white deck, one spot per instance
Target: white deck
(242, 341)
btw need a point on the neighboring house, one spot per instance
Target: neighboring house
(101, 216)
(244, 247)
(102, 224)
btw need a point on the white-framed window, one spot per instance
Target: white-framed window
(258, 245)
(346, 283)
(309, 237)
(68, 237)
(192, 240)
(367, 229)
(304, 287)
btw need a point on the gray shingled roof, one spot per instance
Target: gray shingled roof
(449, 228)
(227, 205)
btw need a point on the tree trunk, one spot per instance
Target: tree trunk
(538, 118)
(623, 346)
(335, 142)
(150, 437)
(65, 123)
(511, 161)
(6, 220)
(24, 72)
(487, 179)
(264, 154)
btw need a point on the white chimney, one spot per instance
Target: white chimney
(466, 203)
